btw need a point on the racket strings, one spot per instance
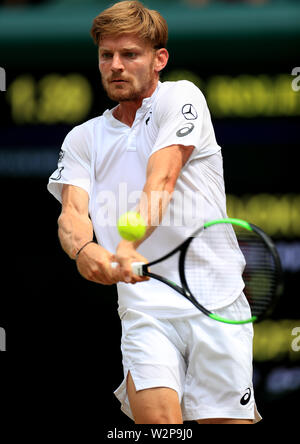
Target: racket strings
(213, 266)
(260, 274)
(224, 261)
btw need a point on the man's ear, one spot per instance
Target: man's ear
(161, 59)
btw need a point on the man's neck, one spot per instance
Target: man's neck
(125, 112)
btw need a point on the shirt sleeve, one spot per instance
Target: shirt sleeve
(74, 163)
(183, 118)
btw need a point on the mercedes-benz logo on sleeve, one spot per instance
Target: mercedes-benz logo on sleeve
(189, 112)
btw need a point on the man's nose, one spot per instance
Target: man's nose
(117, 64)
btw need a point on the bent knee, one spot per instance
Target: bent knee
(154, 417)
(159, 405)
(224, 421)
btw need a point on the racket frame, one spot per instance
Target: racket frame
(185, 291)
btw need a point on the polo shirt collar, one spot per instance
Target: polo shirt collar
(146, 105)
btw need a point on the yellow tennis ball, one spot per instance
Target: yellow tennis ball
(131, 226)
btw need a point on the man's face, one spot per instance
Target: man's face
(127, 67)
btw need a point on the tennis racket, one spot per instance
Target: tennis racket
(234, 249)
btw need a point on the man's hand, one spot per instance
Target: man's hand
(94, 264)
(125, 255)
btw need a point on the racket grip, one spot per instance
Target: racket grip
(137, 267)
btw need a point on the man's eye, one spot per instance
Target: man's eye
(106, 55)
(130, 55)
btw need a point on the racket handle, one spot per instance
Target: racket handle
(137, 267)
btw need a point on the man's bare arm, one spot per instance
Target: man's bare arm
(75, 229)
(74, 225)
(163, 170)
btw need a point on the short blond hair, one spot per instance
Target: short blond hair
(131, 17)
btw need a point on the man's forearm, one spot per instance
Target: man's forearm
(154, 202)
(74, 231)
(163, 170)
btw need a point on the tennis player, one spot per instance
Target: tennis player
(158, 141)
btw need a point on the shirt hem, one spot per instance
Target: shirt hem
(165, 313)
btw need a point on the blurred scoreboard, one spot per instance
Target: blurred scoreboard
(260, 111)
(56, 98)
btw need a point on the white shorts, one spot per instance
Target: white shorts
(208, 363)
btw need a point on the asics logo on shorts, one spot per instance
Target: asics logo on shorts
(246, 398)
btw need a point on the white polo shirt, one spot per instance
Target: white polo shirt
(108, 159)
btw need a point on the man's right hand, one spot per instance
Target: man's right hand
(94, 264)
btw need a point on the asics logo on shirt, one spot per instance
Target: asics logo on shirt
(187, 129)
(246, 398)
(60, 158)
(189, 112)
(58, 177)
(147, 121)
(61, 155)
